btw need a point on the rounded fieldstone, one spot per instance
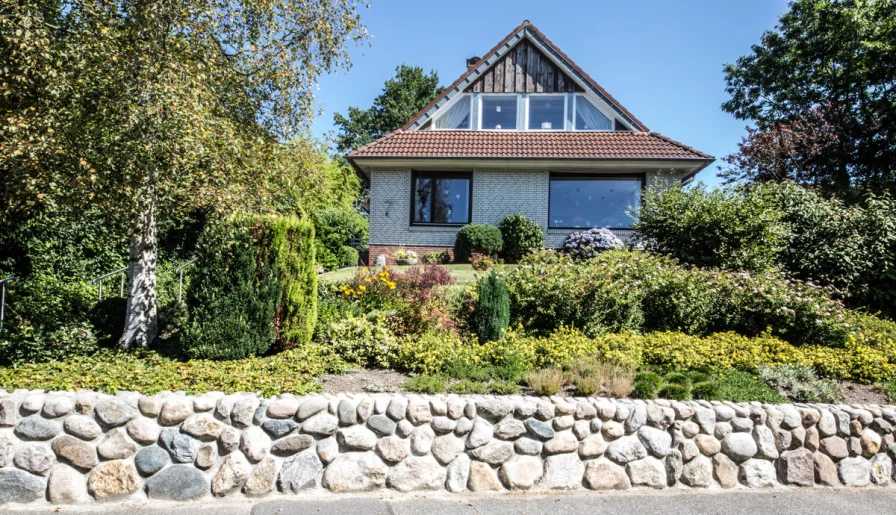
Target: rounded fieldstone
(112, 479)
(322, 424)
(33, 402)
(563, 442)
(592, 447)
(825, 470)
(544, 411)
(539, 429)
(355, 472)
(292, 444)
(229, 440)
(83, 427)
(114, 412)
(416, 473)
(527, 446)
(404, 429)
(723, 429)
(648, 471)
(398, 408)
(835, 447)
(562, 472)
(58, 406)
(181, 447)
(150, 460)
(585, 411)
(493, 453)
(7, 448)
(177, 483)
(365, 409)
(207, 457)
(75, 452)
(724, 471)
(765, 443)
(144, 430)
(446, 448)
(755, 473)
(706, 418)
(255, 443)
(493, 410)
(300, 472)
(480, 434)
(854, 471)
(419, 412)
(381, 424)
(279, 428)
(796, 467)
(697, 472)
(708, 444)
(457, 475)
(521, 473)
(311, 407)
(626, 449)
(443, 425)
(35, 458)
(116, 445)
(564, 422)
(203, 426)
(36, 427)
(422, 440)
(724, 413)
(456, 407)
(17, 486)
(175, 410)
(394, 449)
(231, 475)
(261, 480)
(327, 449)
(657, 441)
(356, 438)
(603, 474)
(881, 469)
(510, 429)
(284, 407)
(636, 418)
(739, 446)
(150, 406)
(242, 414)
(9, 412)
(66, 485)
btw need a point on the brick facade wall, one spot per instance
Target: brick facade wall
(496, 193)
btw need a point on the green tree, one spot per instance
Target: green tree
(834, 58)
(156, 106)
(403, 95)
(492, 315)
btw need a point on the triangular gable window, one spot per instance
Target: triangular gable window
(589, 118)
(457, 116)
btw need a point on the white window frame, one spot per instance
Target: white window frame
(449, 106)
(519, 105)
(526, 118)
(604, 110)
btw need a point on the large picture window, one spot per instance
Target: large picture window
(547, 112)
(441, 198)
(586, 201)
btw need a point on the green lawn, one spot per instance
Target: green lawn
(461, 273)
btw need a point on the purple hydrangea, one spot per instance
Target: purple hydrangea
(587, 244)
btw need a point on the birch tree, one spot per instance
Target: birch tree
(141, 106)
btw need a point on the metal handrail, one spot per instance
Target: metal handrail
(180, 278)
(3, 297)
(100, 280)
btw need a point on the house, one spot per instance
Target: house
(523, 129)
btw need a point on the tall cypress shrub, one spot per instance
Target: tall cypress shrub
(254, 288)
(492, 315)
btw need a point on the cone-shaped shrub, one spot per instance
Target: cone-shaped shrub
(492, 313)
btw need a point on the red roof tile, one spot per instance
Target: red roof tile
(532, 145)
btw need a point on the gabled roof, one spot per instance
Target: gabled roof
(529, 145)
(525, 31)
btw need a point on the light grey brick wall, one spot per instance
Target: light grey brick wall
(496, 193)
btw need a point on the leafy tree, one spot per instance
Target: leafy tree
(158, 106)
(403, 95)
(833, 56)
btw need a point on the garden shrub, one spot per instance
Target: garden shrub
(503, 387)
(520, 235)
(437, 258)
(473, 238)
(469, 387)
(348, 257)
(492, 313)
(425, 384)
(547, 381)
(334, 227)
(799, 382)
(678, 392)
(149, 372)
(726, 228)
(482, 262)
(588, 244)
(254, 285)
(363, 341)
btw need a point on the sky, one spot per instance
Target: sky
(663, 60)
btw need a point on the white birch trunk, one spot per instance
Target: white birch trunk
(141, 322)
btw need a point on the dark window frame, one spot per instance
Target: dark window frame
(642, 178)
(416, 174)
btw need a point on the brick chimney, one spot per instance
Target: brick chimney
(471, 61)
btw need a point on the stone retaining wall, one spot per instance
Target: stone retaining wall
(85, 447)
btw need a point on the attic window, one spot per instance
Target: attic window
(498, 112)
(457, 116)
(589, 118)
(619, 126)
(547, 112)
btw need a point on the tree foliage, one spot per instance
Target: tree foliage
(163, 105)
(832, 58)
(410, 90)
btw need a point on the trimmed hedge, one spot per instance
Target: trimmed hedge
(477, 238)
(254, 286)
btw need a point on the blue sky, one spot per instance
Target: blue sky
(661, 59)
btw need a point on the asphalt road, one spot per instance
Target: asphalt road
(810, 501)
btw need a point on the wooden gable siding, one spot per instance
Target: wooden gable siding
(524, 69)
